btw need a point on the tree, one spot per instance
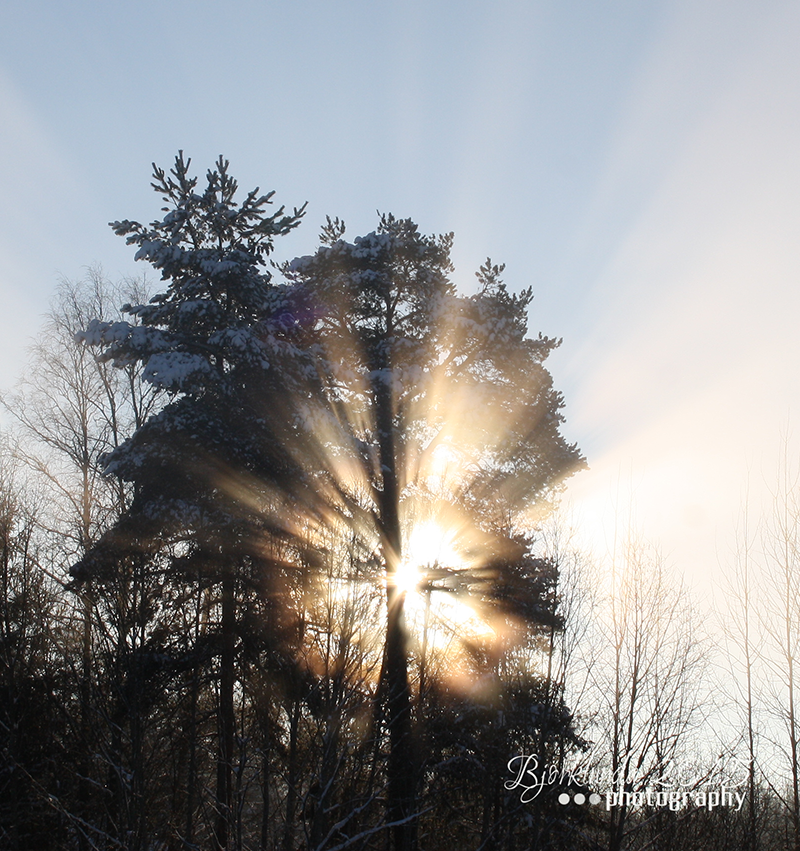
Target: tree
(30, 726)
(780, 613)
(72, 409)
(69, 410)
(208, 341)
(739, 625)
(648, 685)
(413, 378)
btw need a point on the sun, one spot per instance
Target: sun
(429, 546)
(436, 612)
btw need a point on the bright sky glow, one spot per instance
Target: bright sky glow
(636, 163)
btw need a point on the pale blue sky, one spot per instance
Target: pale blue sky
(493, 120)
(635, 162)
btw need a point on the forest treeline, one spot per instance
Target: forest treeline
(280, 571)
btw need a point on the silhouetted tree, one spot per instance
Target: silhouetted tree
(69, 409)
(408, 370)
(31, 727)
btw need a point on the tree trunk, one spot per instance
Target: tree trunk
(291, 780)
(401, 803)
(265, 748)
(226, 718)
(85, 689)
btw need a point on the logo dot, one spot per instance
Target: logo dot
(563, 798)
(594, 798)
(580, 798)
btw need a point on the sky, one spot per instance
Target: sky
(635, 163)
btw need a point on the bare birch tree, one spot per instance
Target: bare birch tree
(781, 623)
(646, 681)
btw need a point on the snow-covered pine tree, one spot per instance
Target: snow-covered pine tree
(218, 325)
(217, 340)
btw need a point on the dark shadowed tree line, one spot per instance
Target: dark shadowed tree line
(275, 575)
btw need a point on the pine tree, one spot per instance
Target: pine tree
(409, 372)
(212, 340)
